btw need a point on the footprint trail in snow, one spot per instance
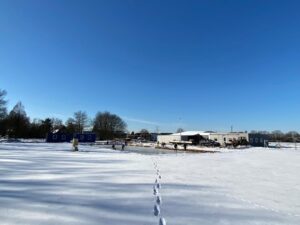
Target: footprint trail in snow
(157, 195)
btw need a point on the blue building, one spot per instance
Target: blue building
(57, 137)
(85, 137)
(259, 140)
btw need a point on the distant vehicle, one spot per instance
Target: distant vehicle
(209, 143)
(236, 143)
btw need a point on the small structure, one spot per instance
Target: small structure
(259, 140)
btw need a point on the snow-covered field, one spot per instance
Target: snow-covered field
(44, 183)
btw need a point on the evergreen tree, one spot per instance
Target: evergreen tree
(17, 122)
(3, 113)
(3, 110)
(70, 126)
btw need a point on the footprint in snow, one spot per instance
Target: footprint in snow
(155, 191)
(158, 185)
(158, 200)
(162, 221)
(156, 210)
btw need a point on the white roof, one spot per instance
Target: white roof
(191, 133)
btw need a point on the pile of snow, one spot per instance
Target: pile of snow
(43, 183)
(191, 133)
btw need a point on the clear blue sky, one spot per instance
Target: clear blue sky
(202, 65)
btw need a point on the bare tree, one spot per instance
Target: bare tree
(277, 135)
(291, 136)
(56, 123)
(180, 130)
(81, 120)
(144, 133)
(108, 126)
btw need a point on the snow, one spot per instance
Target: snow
(285, 145)
(191, 133)
(42, 183)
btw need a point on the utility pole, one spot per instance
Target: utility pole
(294, 139)
(157, 129)
(180, 129)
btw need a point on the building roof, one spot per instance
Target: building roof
(228, 133)
(191, 133)
(205, 133)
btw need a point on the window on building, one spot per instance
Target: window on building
(63, 137)
(54, 137)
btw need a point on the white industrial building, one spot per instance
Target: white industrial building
(194, 137)
(187, 136)
(227, 138)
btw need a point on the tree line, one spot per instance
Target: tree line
(16, 123)
(277, 135)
